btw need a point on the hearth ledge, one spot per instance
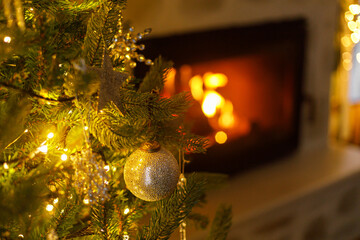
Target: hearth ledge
(313, 194)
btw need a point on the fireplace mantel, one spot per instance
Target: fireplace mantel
(312, 195)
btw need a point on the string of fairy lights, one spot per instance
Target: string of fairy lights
(351, 34)
(43, 148)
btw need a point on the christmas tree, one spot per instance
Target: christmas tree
(88, 150)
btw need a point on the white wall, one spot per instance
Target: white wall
(168, 17)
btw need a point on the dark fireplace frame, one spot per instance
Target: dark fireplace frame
(196, 47)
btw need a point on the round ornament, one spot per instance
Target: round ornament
(151, 173)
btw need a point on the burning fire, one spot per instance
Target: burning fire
(215, 80)
(196, 87)
(227, 119)
(218, 109)
(212, 101)
(213, 104)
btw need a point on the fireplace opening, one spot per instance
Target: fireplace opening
(246, 84)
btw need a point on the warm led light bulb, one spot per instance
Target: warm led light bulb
(64, 157)
(358, 57)
(354, 8)
(50, 135)
(355, 37)
(349, 16)
(86, 128)
(43, 149)
(26, 130)
(49, 207)
(7, 39)
(86, 201)
(126, 211)
(56, 200)
(346, 41)
(107, 167)
(352, 26)
(6, 166)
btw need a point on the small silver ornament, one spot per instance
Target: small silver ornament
(125, 46)
(151, 173)
(90, 176)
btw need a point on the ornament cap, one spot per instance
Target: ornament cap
(151, 146)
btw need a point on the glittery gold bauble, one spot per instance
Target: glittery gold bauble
(151, 174)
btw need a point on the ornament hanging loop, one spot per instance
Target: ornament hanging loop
(150, 147)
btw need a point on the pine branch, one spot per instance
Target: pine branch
(100, 127)
(101, 216)
(155, 78)
(32, 94)
(68, 7)
(152, 107)
(13, 115)
(66, 219)
(101, 30)
(170, 212)
(214, 180)
(145, 115)
(86, 231)
(183, 139)
(199, 220)
(221, 224)
(131, 127)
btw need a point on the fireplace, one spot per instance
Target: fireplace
(247, 86)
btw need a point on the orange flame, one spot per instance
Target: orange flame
(212, 101)
(227, 118)
(215, 80)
